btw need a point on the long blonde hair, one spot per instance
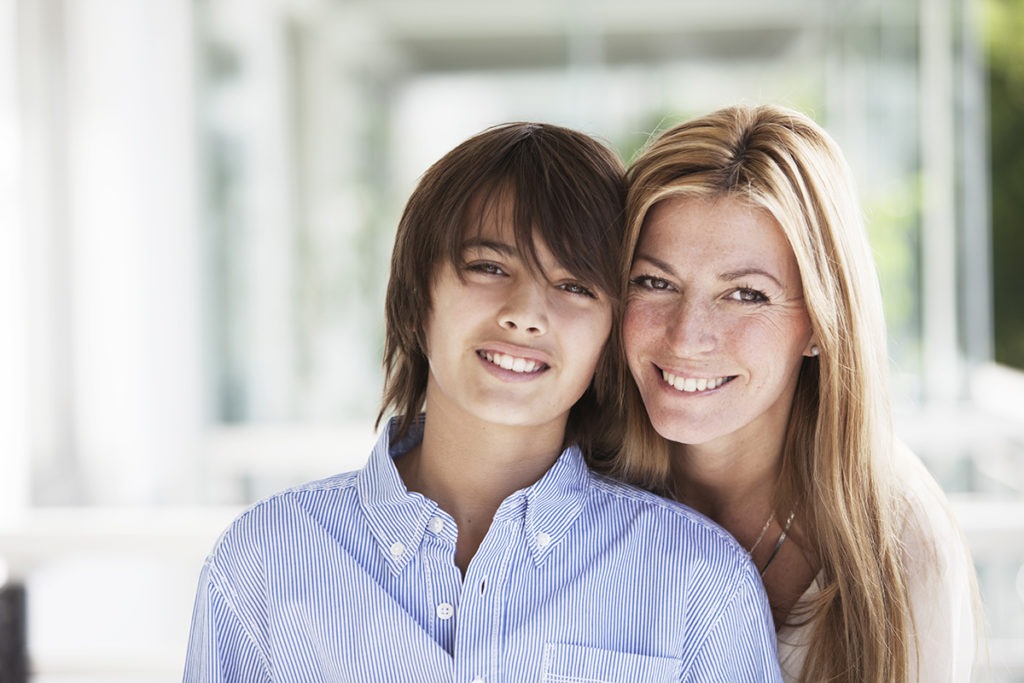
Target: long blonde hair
(838, 445)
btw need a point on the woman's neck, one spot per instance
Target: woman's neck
(736, 487)
(733, 484)
(720, 479)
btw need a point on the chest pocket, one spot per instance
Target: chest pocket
(580, 664)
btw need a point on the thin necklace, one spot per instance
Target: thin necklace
(778, 543)
(760, 536)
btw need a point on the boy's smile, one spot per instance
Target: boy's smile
(507, 344)
(512, 363)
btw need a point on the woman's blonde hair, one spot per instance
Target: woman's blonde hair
(837, 449)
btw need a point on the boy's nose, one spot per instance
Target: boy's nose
(525, 309)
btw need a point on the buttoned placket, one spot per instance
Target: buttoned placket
(465, 616)
(479, 638)
(443, 579)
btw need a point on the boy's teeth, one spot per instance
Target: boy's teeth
(512, 363)
(692, 384)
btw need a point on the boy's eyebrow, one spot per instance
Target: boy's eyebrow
(502, 248)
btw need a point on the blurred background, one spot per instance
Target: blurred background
(198, 199)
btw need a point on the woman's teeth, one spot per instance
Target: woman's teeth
(692, 384)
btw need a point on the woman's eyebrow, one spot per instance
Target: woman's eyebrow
(727, 276)
(746, 272)
(656, 262)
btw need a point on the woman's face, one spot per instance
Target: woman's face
(715, 325)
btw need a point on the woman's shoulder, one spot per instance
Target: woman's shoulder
(929, 531)
(940, 575)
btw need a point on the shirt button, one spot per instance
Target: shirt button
(436, 524)
(543, 540)
(397, 549)
(445, 611)
(478, 679)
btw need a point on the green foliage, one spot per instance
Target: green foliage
(1004, 26)
(892, 224)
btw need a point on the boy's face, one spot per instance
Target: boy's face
(507, 345)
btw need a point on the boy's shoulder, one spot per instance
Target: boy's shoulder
(258, 523)
(668, 518)
(620, 493)
(332, 487)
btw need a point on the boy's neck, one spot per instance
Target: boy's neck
(468, 468)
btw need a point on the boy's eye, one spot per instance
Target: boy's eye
(485, 267)
(650, 282)
(747, 295)
(577, 288)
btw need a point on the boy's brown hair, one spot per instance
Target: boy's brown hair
(566, 189)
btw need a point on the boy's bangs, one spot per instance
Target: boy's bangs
(573, 236)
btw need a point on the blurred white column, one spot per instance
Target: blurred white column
(14, 443)
(250, 112)
(976, 238)
(943, 377)
(135, 280)
(345, 69)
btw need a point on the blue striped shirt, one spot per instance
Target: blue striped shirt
(579, 579)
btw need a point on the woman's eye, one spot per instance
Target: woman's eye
(577, 288)
(650, 282)
(747, 295)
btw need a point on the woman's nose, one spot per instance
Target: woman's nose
(690, 328)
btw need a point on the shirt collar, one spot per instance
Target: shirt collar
(553, 504)
(398, 518)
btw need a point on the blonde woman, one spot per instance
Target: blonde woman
(754, 333)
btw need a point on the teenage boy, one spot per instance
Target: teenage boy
(475, 545)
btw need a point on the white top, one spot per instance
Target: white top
(941, 584)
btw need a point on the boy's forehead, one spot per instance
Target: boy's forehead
(502, 235)
(491, 222)
(480, 232)
(490, 215)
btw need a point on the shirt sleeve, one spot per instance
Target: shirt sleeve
(220, 648)
(741, 644)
